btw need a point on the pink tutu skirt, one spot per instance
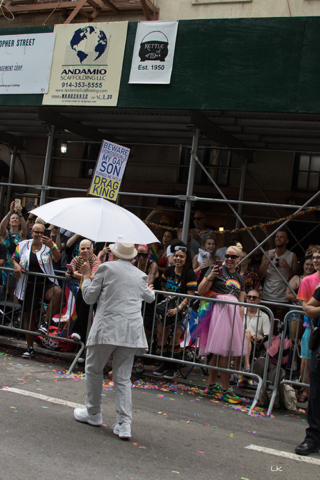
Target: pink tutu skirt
(220, 340)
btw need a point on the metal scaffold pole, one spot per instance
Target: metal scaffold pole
(192, 169)
(11, 173)
(259, 244)
(47, 165)
(242, 188)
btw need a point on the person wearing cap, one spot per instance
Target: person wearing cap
(118, 288)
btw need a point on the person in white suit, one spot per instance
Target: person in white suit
(117, 330)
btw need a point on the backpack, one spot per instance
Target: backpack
(58, 344)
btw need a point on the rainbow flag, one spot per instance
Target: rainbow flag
(205, 313)
(69, 314)
(154, 252)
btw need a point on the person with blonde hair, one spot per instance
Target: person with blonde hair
(40, 221)
(220, 324)
(79, 331)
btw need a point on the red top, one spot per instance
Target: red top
(163, 262)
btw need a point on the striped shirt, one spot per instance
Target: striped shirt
(78, 261)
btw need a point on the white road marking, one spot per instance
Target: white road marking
(45, 398)
(279, 453)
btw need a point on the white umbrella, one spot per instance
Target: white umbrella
(96, 219)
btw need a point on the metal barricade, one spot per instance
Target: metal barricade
(193, 363)
(12, 318)
(289, 381)
(21, 317)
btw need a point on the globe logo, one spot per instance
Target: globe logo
(89, 41)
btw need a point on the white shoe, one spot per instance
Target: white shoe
(82, 415)
(76, 336)
(123, 430)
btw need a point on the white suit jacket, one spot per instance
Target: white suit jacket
(119, 288)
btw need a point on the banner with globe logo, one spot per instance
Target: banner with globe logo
(87, 64)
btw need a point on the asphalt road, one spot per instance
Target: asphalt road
(175, 435)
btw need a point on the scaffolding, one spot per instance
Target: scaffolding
(188, 198)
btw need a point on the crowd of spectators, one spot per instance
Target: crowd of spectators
(226, 331)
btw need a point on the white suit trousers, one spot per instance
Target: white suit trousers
(96, 359)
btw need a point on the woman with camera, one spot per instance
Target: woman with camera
(9, 231)
(36, 256)
(220, 324)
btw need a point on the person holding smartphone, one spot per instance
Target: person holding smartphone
(12, 234)
(178, 278)
(36, 256)
(220, 328)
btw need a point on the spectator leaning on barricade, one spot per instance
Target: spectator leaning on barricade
(305, 292)
(79, 331)
(11, 235)
(149, 268)
(117, 330)
(311, 443)
(274, 288)
(36, 256)
(256, 323)
(178, 278)
(220, 324)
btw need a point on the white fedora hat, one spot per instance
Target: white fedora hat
(125, 251)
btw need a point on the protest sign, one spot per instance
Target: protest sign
(109, 171)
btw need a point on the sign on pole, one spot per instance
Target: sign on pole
(109, 171)
(87, 64)
(153, 52)
(25, 62)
